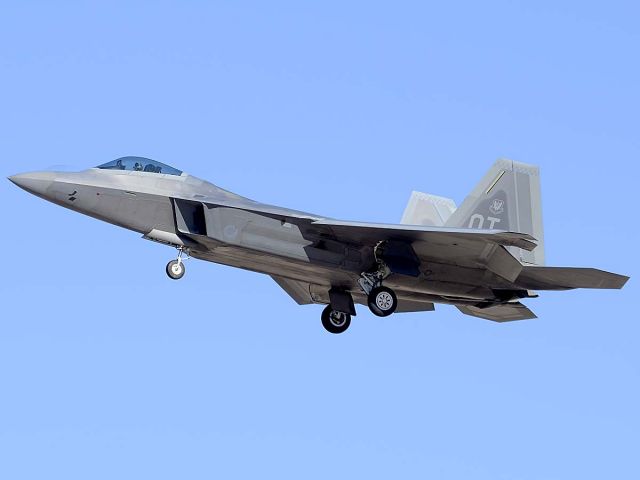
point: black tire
(382, 301)
(335, 322)
(175, 270)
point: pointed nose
(35, 182)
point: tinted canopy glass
(139, 164)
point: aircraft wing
(507, 312)
(371, 233)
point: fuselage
(219, 226)
(388, 267)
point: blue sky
(110, 370)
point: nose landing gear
(175, 268)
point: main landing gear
(175, 268)
(334, 321)
(382, 301)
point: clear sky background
(108, 369)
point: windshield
(139, 164)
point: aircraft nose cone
(34, 182)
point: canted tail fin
(427, 209)
(507, 198)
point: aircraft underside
(339, 288)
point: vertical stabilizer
(427, 209)
(507, 198)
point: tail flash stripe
(495, 182)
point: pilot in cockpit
(140, 164)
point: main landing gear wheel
(175, 269)
(334, 321)
(382, 301)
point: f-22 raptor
(483, 257)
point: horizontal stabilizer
(507, 312)
(564, 278)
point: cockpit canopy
(139, 164)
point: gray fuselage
(239, 232)
(314, 259)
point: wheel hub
(384, 301)
(337, 319)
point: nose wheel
(175, 268)
(334, 321)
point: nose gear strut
(175, 268)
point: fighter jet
(483, 257)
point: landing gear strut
(334, 321)
(382, 301)
(175, 268)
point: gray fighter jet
(483, 257)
